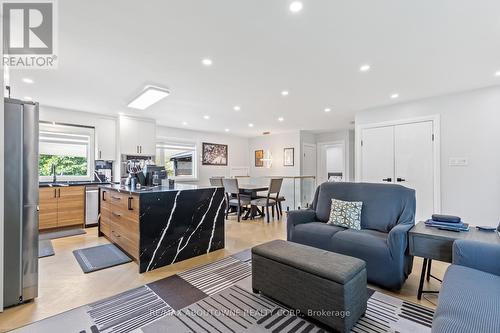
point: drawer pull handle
(116, 198)
(103, 198)
(116, 214)
(130, 203)
(114, 233)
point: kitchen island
(158, 226)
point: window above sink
(69, 148)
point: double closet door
(402, 154)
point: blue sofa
(469, 299)
(388, 213)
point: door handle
(103, 198)
(59, 192)
(400, 179)
(55, 193)
(116, 214)
(387, 180)
(130, 203)
(115, 197)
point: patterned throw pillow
(346, 214)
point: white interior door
(331, 160)
(413, 147)
(377, 155)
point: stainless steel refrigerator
(21, 202)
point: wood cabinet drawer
(120, 201)
(105, 225)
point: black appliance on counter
(150, 172)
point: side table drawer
(431, 248)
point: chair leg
(238, 212)
(267, 213)
(227, 211)
(281, 208)
(272, 211)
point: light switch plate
(458, 161)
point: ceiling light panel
(148, 97)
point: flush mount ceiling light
(328, 109)
(364, 68)
(296, 6)
(237, 108)
(281, 119)
(206, 117)
(250, 125)
(149, 96)
(28, 80)
(285, 93)
(207, 62)
(226, 130)
(497, 73)
(395, 96)
(184, 123)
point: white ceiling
(109, 50)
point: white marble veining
(179, 247)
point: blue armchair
(469, 299)
(387, 215)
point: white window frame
(75, 131)
(193, 146)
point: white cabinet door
(413, 147)
(129, 139)
(106, 139)
(147, 137)
(377, 155)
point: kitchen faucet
(53, 172)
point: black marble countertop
(152, 189)
(70, 183)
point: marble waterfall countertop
(174, 223)
(152, 189)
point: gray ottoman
(323, 285)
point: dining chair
(233, 196)
(216, 181)
(271, 200)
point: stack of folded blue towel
(447, 222)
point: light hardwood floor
(63, 286)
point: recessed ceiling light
(328, 109)
(281, 119)
(149, 96)
(207, 62)
(184, 123)
(28, 80)
(284, 93)
(206, 117)
(364, 68)
(28, 98)
(237, 108)
(250, 125)
(394, 96)
(296, 6)
(226, 130)
(497, 73)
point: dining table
(252, 190)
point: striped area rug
(218, 298)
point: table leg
(429, 263)
(422, 277)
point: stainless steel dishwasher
(91, 205)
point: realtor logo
(29, 34)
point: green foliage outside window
(65, 165)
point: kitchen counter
(70, 183)
(159, 226)
(152, 189)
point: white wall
(470, 128)
(237, 149)
(276, 144)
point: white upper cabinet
(137, 136)
(106, 139)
